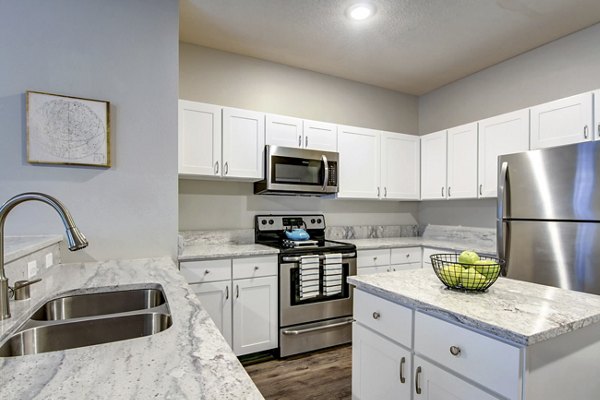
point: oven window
(289, 170)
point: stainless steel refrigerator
(548, 222)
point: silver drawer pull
(374, 258)
(256, 267)
(376, 315)
(585, 132)
(454, 350)
(206, 272)
(418, 380)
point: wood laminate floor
(326, 374)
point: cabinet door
(562, 122)
(597, 114)
(254, 315)
(400, 166)
(380, 368)
(433, 166)
(462, 162)
(359, 163)
(500, 135)
(283, 131)
(199, 138)
(243, 143)
(320, 135)
(437, 384)
(216, 300)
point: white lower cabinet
(381, 368)
(216, 300)
(254, 315)
(240, 295)
(434, 383)
(388, 260)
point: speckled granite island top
(520, 312)
(189, 360)
(224, 250)
(389, 243)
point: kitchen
(136, 210)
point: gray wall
(122, 51)
(228, 79)
(565, 67)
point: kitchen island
(518, 340)
(189, 360)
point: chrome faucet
(76, 239)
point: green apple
(471, 279)
(489, 268)
(451, 274)
(468, 257)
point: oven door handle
(321, 257)
(326, 175)
(317, 328)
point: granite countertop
(189, 360)
(388, 243)
(224, 250)
(16, 247)
(520, 312)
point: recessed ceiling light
(361, 11)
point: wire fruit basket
(478, 276)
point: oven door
(293, 311)
(300, 170)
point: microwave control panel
(332, 181)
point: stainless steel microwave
(291, 171)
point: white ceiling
(413, 46)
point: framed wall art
(67, 130)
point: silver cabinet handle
(256, 267)
(326, 175)
(598, 129)
(217, 168)
(237, 291)
(306, 141)
(300, 141)
(442, 191)
(206, 272)
(226, 292)
(454, 350)
(378, 192)
(418, 380)
(385, 191)
(376, 315)
(585, 131)
(481, 189)
(402, 377)
(375, 258)
(226, 167)
(449, 191)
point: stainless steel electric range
(322, 317)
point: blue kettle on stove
(297, 234)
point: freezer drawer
(561, 254)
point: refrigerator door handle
(502, 182)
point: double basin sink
(89, 319)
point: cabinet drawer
(489, 362)
(372, 258)
(406, 256)
(206, 270)
(383, 316)
(254, 267)
(405, 267)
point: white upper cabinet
(359, 170)
(597, 114)
(320, 135)
(462, 162)
(283, 131)
(400, 166)
(500, 135)
(433, 166)
(243, 143)
(561, 122)
(199, 143)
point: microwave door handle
(326, 175)
(502, 183)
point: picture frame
(67, 130)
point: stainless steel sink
(88, 305)
(81, 320)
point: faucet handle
(21, 289)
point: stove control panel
(281, 222)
